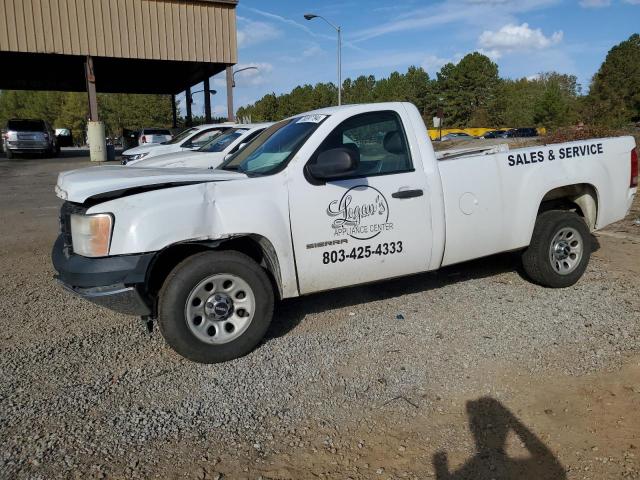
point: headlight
(91, 234)
(137, 156)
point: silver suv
(30, 136)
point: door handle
(407, 193)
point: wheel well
(254, 246)
(581, 198)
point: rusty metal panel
(197, 29)
(145, 31)
(29, 25)
(188, 30)
(184, 32)
(166, 33)
(38, 26)
(83, 38)
(207, 55)
(64, 26)
(18, 6)
(233, 35)
(191, 34)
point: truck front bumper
(113, 282)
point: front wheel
(559, 251)
(215, 306)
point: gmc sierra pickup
(326, 199)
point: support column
(230, 115)
(174, 111)
(189, 119)
(207, 101)
(98, 151)
(91, 89)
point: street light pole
(207, 100)
(339, 66)
(337, 28)
(231, 83)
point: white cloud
(511, 38)
(493, 53)
(253, 32)
(595, 3)
(451, 12)
(312, 51)
(432, 64)
(248, 78)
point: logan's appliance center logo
(361, 213)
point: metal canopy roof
(138, 46)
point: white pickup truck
(327, 199)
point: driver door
(370, 225)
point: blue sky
(524, 37)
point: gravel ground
(85, 392)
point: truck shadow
(289, 313)
(490, 423)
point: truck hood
(143, 148)
(116, 181)
(182, 159)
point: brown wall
(203, 31)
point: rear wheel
(559, 251)
(215, 306)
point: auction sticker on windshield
(311, 118)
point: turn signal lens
(91, 234)
(634, 169)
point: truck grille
(67, 209)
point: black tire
(180, 283)
(537, 259)
(10, 154)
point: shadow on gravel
(289, 313)
(490, 422)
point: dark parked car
(456, 136)
(494, 134)
(30, 136)
(521, 132)
(65, 137)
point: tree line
(70, 110)
(472, 94)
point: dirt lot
(468, 373)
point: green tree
(614, 96)
(74, 114)
(468, 90)
(558, 103)
(69, 110)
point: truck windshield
(181, 136)
(274, 147)
(220, 142)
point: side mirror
(335, 163)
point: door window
(377, 138)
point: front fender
(152, 221)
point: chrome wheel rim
(220, 308)
(566, 250)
